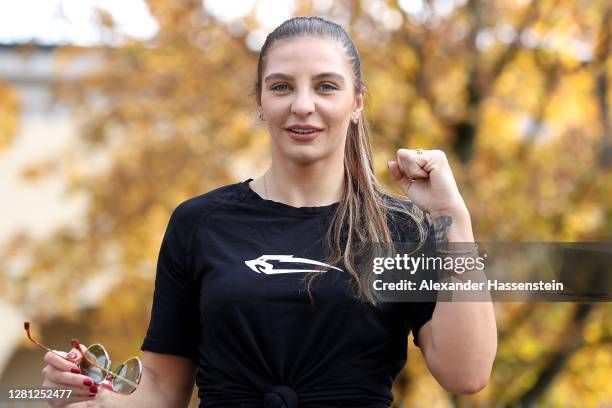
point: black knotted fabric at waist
(280, 397)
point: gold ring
(419, 151)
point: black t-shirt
(230, 293)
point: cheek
(270, 101)
(340, 112)
(339, 120)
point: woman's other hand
(64, 373)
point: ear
(260, 114)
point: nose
(303, 104)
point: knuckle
(440, 154)
(406, 154)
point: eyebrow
(334, 75)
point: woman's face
(308, 84)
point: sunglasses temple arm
(133, 384)
(50, 351)
(26, 326)
(46, 348)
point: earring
(261, 117)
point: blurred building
(35, 207)
(45, 129)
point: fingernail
(87, 382)
(94, 389)
(72, 355)
(75, 370)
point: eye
(280, 87)
(326, 86)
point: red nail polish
(93, 389)
(87, 382)
(75, 370)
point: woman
(257, 283)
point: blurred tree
(511, 92)
(516, 93)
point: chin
(303, 154)
(303, 157)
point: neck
(311, 185)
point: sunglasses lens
(96, 353)
(131, 370)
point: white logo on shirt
(261, 264)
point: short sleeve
(174, 324)
(420, 313)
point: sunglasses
(96, 364)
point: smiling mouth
(303, 131)
(303, 134)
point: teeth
(301, 130)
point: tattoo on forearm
(442, 225)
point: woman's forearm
(463, 333)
